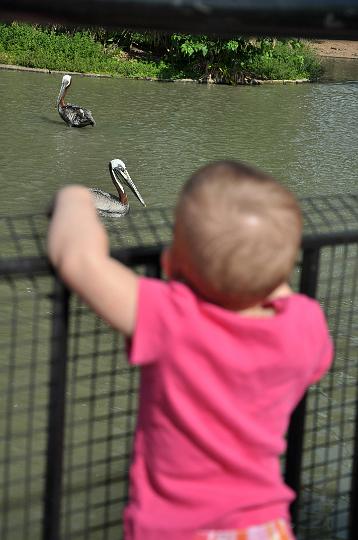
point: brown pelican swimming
(107, 202)
(73, 115)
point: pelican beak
(126, 177)
(62, 91)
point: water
(340, 70)
(305, 135)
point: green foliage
(285, 61)
(236, 59)
(45, 48)
(57, 48)
(153, 54)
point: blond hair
(237, 233)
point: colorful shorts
(274, 530)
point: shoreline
(338, 49)
(335, 48)
(252, 82)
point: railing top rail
(140, 236)
(310, 18)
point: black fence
(68, 399)
(333, 19)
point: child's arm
(78, 248)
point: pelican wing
(77, 116)
(106, 202)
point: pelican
(110, 203)
(73, 115)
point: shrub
(164, 56)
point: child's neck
(265, 308)
(258, 311)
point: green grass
(283, 62)
(32, 46)
(89, 52)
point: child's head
(236, 236)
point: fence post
(353, 500)
(153, 269)
(295, 434)
(56, 414)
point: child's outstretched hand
(78, 248)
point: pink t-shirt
(217, 390)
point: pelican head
(66, 81)
(119, 171)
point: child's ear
(166, 262)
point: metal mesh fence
(100, 391)
(330, 424)
(100, 416)
(24, 368)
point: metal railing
(68, 398)
(336, 19)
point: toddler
(226, 351)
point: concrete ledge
(282, 81)
(11, 67)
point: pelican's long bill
(122, 172)
(66, 81)
(61, 94)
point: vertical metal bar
(8, 417)
(309, 273)
(153, 269)
(295, 434)
(353, 500)
(56, 414)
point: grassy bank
(153, 55)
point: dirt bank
(335, 48)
